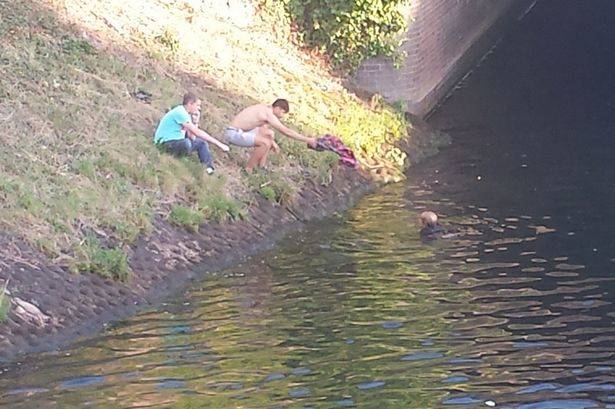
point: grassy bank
(79, 177)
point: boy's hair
(189, 97)
(429, 218)
(282, 103)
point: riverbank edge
(165, 262)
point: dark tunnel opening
(556, 68)
(535, 121)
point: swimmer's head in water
(428, 219)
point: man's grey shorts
(241, 138)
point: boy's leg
(177, 147)
(261, 148)
(267, 133)
(202, 149)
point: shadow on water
(516, 311)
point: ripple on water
(171, 384)
(276, 376)
(392, 324)
(301, 371)
(345, 402)
(456, 379)
(587, 387)
(571, 267)
(371, 385)
(562, 274)
(422, 356)
(533, 269)
(299, 392)
(81, 382)
(527, 345)
(539, 387)
(26, 391)
(461, 400)
(561, 404)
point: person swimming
(430, 228)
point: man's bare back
(252, 117)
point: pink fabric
(334, 144)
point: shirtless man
(250, 128)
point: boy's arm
(276, 124)
(192, 128)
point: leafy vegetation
(349, 31)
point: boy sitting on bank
(178, 133)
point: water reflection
(359, 312)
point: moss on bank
(79, 177)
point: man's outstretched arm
(279, 126)
(205, 136)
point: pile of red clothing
(334, 144)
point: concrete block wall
(444, 39)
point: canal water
(515, 311)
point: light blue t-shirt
(170, 126)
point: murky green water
(357, 311)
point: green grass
(107, 262)
(273, 186)
(186, 217)
(220, 208)
(79, 176)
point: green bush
(349, 31)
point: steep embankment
(94, 218)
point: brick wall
(444, 39)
